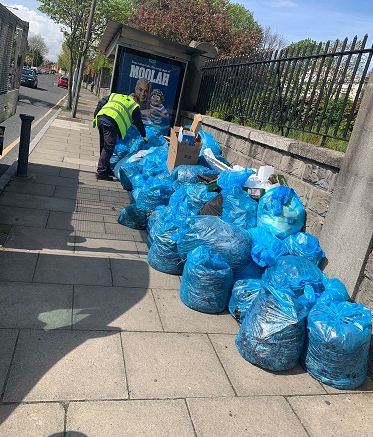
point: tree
(231, 28)
(37, 51)
(272, 41)
(73, 17)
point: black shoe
(103, 177)
(110, 172)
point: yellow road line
(16, 141)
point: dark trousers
(108, 138)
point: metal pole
(24, 144)
(82, 61)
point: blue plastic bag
(243, 294)
(239, 207)
(133, 216)
(230, 178)
(206, 283)
(231, 242)
(305, 244)
(251, 271)
(337, 346)
(294, 272)
(281, 210)
(188, 174)
(163, 255)
(266, 247)
(273, 332)
(155, 220)
(209, 142)
(155, 192)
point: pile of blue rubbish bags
(245, 255)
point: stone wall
(311, 171)
(8, 104)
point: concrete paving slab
(14, 215)
(45, 160)
(121, 230)
(76, 221)
(106, 207)
(109, 247)
(17, 265)
(161, 418)
(177, 317)
(258, 416)
(141, 275)
(8, 338)
(54, 154)
(79, 161)
(29, 187)
(142, 249)
(249, 380)
(59, 365)
(42, 169)
(32, 420)
(32, 201)
(72, 269)
(35, 306)
(58, 180)
(347, 415)
(121, 197)
(69, 173)
(29, 238)
(73, 193)
(117, 308)
(171, 365)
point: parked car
(29, 78)
(63, 81)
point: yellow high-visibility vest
(119, 107)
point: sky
(294, 20)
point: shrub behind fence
(307, 91)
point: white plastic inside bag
(214, 163)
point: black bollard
(24, 144)
(2, 131)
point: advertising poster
(157, 82)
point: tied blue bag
(266, 247)
(163, 254)
(239, 207)
(305, 244)
(206, 283)
(337, 346)
(243, 294)
(281, 210)
(273, 332)
(231, 242)
(294, 272)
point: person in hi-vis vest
(114, 115)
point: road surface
(42, 103)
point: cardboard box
(181, 152)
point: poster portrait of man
(155, 80)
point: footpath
(96, 343)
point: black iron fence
(308, 91)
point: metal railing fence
(307, 88)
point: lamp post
(82, 60)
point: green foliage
(231, 28)
(101, 61)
